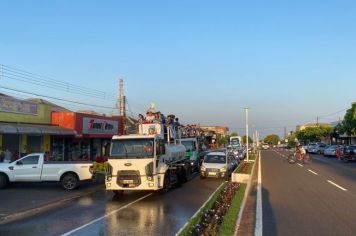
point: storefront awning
(12, 128)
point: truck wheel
(69, 181)
(3, 181)
(166, 184)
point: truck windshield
(189, 145)
(131, 148)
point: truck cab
(192, 151)
(146, 161)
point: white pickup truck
(33, 168)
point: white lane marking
(336, 185)
(312, 172)
(300, 165)
(104, 216)
(259, 219)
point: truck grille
(128, 178)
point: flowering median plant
(244, 168)
(211, 219)
(100, 164)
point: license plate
(128, 181)
(212, 173)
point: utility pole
(317, 120)
(247, 154)
(121, 99)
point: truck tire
(69, 181)
(166, 183)
(3, 180)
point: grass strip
(227, 227)
(252, 157)
(249, 170)
(208, 205)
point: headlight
(203, 168)
(192, 163)
(223, 169)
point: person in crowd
(141, 119)
(85, 157)
(150, 117)
(2, 156)
(176, 122)
(16, 156)
(162, 118)
(7, 156)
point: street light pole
(247, 154)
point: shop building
(25, 126)
(92, 138)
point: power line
(39, 80)
(55, 98)
(334, 113)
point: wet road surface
(134, 213)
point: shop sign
(12, 105)
(100, 126)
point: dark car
(349, 153)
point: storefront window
(57, 149)
(77, 149)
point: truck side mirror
(18, 163)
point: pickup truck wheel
(69, 181)
(3, 181)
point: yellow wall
(23, 144)
(43, 116)
(47, 143)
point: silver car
(331, 150)
(318, 148)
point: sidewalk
(24, 199)
(248, 220)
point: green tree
(244, 139)
(233, 134)
(348, 125)
(291, 140)
(222, 140)
(271, 139)
(313, 134)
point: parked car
(309, 147)
(317, 148)
(331, 151)
(349, 153)
(34, 168)
(216, 164)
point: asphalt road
(308, 199)
(134, 213)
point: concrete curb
(247, 191)
(197, 212)
(41, 208)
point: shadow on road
(269, 220)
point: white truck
(147, 161)
(34, 168)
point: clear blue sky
(289, 61)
